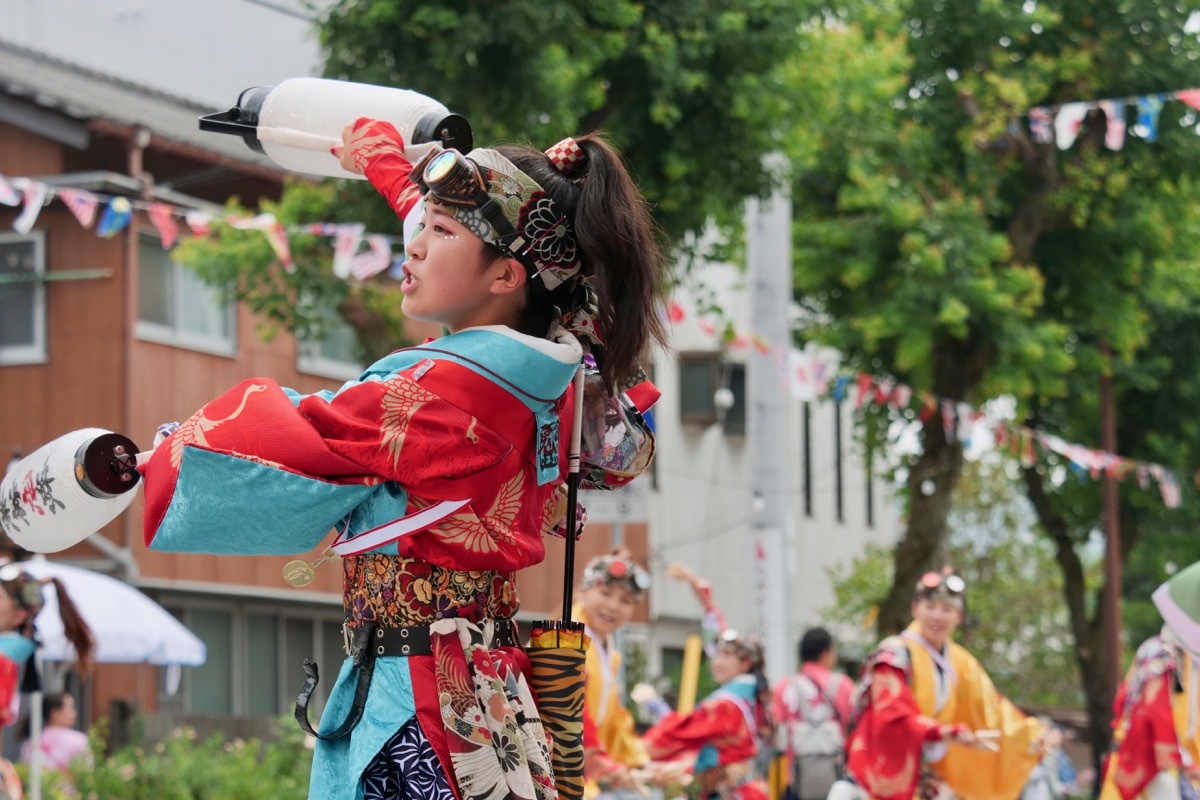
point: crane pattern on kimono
(195, 430)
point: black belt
(369, 642)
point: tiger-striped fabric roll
(557, 680)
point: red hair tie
(567, 156)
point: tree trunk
(958, 367)
(1087, 631)
(930, 486)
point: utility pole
(1112, 530)
(771, 445)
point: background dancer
(722, 739)
(1156, 713)
(611, 588)
(919, 692)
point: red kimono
(1145, 722)
(718, 739)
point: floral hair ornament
(744, 647)
(615, 569)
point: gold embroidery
(193, 431)
(401, 402)
(480, 535)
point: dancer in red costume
(1156, 713)
(722, 737)
(920, 692)
(440, 467)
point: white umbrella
(128, 628)
(127, 625)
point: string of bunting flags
(1062, 123)
(808, 374)
(357, 253)
(812, 373)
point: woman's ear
(509, 277)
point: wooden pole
(1112, 531)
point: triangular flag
(345, 245)
(1149, 107)
(1040, 128)
(259, 222)
(198, 221)
(9, 196)
(116, 216)
(277, 236)
(163, 218)
(34, 196)
(675, 312)
(1190, 96)
(375, 260)
(1068, 122)
(83, 204)
(1114, 131)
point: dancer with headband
(920, 692)
(722, 740)
(441, 467)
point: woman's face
(726, 665)
(607, 607)
(936, 620)
(453, 278)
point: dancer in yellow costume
(920, 692)
(611, 588)
(1156, 715)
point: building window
(254, 657)
(700, 376)
(175, 307)
(333, 354)
(22, 299)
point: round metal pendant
(298, 573)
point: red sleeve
(718, 722)
(885, 748)
(378, 150)
(9, 673)
(1151, 744)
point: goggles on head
(745, 647)
(941, 586)
(502, 206)
(23, 588)
(616, 570)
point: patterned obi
(392, 591)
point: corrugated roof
(83, 93)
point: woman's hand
(959, 734)
(375, 149)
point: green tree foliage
(940, 244)
(692, 92)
